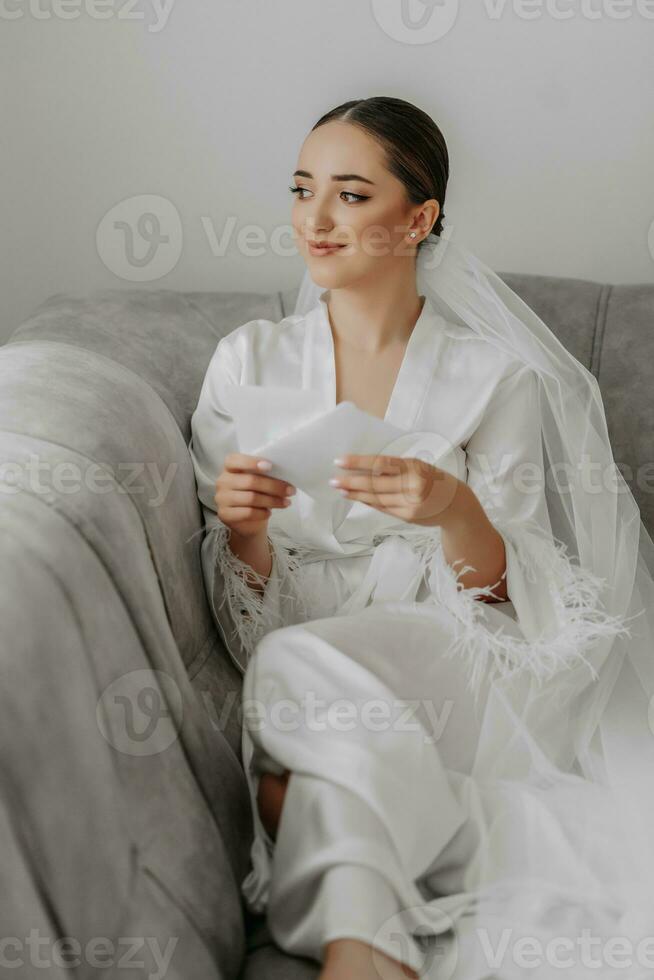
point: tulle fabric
(569, 733)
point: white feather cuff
(557, 602)
(243, 613)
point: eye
(359, 197)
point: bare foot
(352, 959)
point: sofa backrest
(610, 330)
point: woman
(483, 790)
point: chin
(322, 276)
(329, 276)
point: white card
(263, 413)
(266, 421)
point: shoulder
(478, 359)
(260, 335)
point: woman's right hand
(245, 496)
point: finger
(264, 484)
(250, 498)
(242, 462)
(233, 515)
(379, 463)
(405, 485)
(392, 502)
(369, 483)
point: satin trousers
(374, 839)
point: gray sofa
(124, 808)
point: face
(367, 214)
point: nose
(318, 222)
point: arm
(505, 483)
(468, 537)
(556, 601)
(213, 438)
(255, 552)
(252, 583)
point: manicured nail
(263, 464)
(334, 482)
(339, 461)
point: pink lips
(316, 249)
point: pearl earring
(413, 234)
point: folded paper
(303, 454)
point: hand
(408, 488)
(245, 496)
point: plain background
(138, 149)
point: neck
(371, 318)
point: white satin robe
(387, 830)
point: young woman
(467, 611)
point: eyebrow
(337, 177)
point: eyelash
(360, 197)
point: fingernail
(339, 461)
(263, 464)
(334, 482)
(290, 490)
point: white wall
(548, 122)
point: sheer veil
(570, 745)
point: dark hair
(416, 151)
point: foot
(352, 959)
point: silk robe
(386, 833)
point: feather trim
(574, 593)
(253, 613)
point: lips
(323, 249)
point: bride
(479, 603)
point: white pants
(374, 838)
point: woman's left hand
(408, 488)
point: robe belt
(393, 574)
